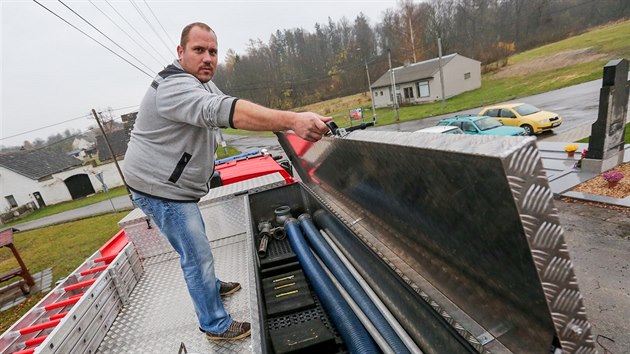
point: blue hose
(350, 328)
(336, 266)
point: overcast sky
(51, 73)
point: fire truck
(392, 242)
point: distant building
(28, 176)
(82, 149)
(129, 120)
(420, 82)
(117, 139)
(80, 143)
(45, 177)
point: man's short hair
(186, 31)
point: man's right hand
(310, 126)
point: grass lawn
(229, 151)
(60, 247)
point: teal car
(482, 125)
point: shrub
(612, 176)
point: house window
(11, 200)
(423, 89)
(466, 76)
(408, 92)
(381, 93)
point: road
(106, 206)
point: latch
(342, 132)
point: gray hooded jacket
(171, 151)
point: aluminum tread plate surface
(253, 184)
(133, 217)
(160, 315)
(225, 218)
(431, 194)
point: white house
(46, 177)
(420, 82)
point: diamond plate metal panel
(133, 217)
(541, 225)
(462, 214)
(224, 218)
(148, 242)
(238, 188)
(353, 216)
(160, 314)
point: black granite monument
(605, 148)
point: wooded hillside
(298, 66)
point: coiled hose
(334, 264)
(350, 328)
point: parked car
(481, 125)
(441, 129)
(526, 116)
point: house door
(39, 199)
(79, 186)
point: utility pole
(111, 151)
(441, 73)
(367, 72)
(393, 79)
(413, 44)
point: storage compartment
(292, 317)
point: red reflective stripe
(58, 316)
(39, 327)
(94, 270)
(35, 341)
(79, 285)
(63, 303)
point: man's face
(199, 58)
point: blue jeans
(183, 226)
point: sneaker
(229, 288)
(236, 330)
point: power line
(125, 32)
(106, 36)
(71, 136)
(60, 123)
(150, 25)
(92, 38)
(40, 128)
(159, 23)
(139, 34)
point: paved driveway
(106, 206)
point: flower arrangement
(612, 177)
(578, 164)
(571, 148)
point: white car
(441, 129)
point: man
(170, 160)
